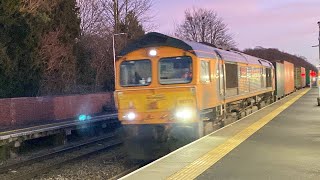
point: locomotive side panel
(232, 81)
(207, 86)
(244, 79)
(255, 78)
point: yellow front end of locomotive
(155, 86)
(157, 106)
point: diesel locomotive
(170, 90)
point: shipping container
(280, 77)
(303, 77)
(289, 77)
(297, 77)
(308, 74)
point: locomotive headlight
(184, 114)
(153, 52)
(131, 116)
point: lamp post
(319, 40)
(318, 99)
(114, 54)
(203, 29)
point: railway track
(42, 163)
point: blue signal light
(82, 117)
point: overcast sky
(289, 25)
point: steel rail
(48, 168)
(56, 151)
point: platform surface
(281, 141)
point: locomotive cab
(154, 89)
(156, 99)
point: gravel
(100, 166)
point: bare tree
(32, 6)
(116, 11)
(100, 16)
(59, 64)
(101, 59)
(204, 25)
(91, 14)
(100, 20)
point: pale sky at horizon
(288, 25)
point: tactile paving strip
(206, 161)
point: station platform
(280, 141)
(21, 134)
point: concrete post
(318, 99)
(60, 139)
(4, 152)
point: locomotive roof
(154, 39)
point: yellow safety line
(197, 167)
